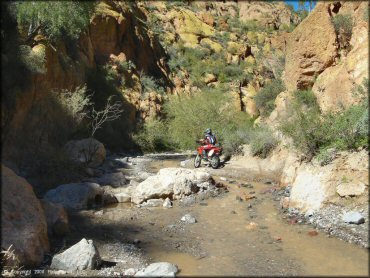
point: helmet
(208, 131)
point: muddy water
(254, 240)
(233, 237)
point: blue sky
(295, 4)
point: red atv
(213, 157)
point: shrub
(306, 98)
(343, 23)
(154, 136)
(265, 98)
(262, 141)
(34, 61)
(148, 84)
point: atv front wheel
(197, 161)
(215, 162)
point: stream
(231, 236)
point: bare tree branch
(111, 112)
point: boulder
(76, 195)
(56, 218)
(353, 217)
(311, 48)
(80, 256)
(89, 151)
(161, 269)
(351, 189)
(23, 223)
(113, 179)
(176, 182)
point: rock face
(313, 184)
(171, 182)
(80, 256)
(56, 218)
(89, 151)
(351, 69)
(76, 195)
(311, 48)
(23, 222)
(161, 269)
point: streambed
(231, 236)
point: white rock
(161, 269)
(353, 217)
(170, 181)
(189, 219)
(76, 195)
(167, 203)
(223, 178)
(123, 197)
(80, 256)
(130, 272)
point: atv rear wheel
(215, 162)
(197, 161)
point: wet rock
(313, 233)
(167, 203)
(189, 219)
(80, 256)
(123, 197)
(162, 269)
(76, 195)
(353, 217)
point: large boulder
(311, 48)
(171, 182)
(76, 196)
(89, 151)
(162, 269)
(56, 218)
(23, 223)
(80, 256)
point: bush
(154, 136)
(262, 141)
(305, 98)
(265, 98)
(343, 23)
(313, 133)
(34, 61)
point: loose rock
(162, 269)
(167, 203)
(353, 217)
(189, 219)
(80, 256)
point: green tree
(311, 4)
(55, 18)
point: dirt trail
(231, 237)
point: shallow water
(239, 240)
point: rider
(208, 142)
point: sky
(295, 4)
